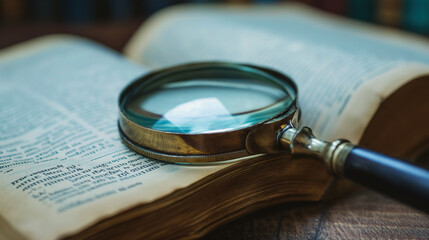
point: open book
(64, 172)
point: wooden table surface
(362, 214)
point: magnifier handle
(393, 177)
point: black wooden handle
(393, 177)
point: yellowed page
(62, 163)
(368, 97)
(330, 58)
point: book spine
(416, 16)
(265, 1)
(202, 1)
(389, 12)
(310, 2)
(333, 6)
(238, 1)
(149, 7)
(362, 10)
(12, 10)
(42, 10)
(120, 9)
(78, 11)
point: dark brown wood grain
(362, 214)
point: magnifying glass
(215, 112)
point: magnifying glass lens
(207, 100)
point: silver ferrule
(303, 142)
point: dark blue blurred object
(78, 11)
(390, 176)
(120, 9)
(149, 7)
(416, 16)
(413, 14)
(364, 10)
(43, 10)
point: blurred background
(112, 22)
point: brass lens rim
(202, 147)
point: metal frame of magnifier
(393, 177)
(274, 135)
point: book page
(62, 163)
(330, 58)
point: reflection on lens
(207, 100)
